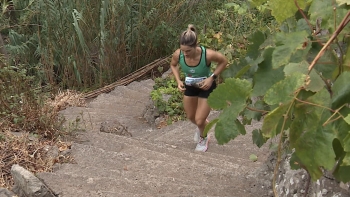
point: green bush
(168, 99)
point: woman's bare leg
(190, 106)
(202, 112)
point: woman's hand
(206, 84)
(181, 86)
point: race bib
(191, 81)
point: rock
(28, 185)
(6, 193)
(151, 113)
(115, 127)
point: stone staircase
(153, 162)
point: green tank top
(201, 70)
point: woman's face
(188, 51)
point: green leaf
(341, 13)
(257, 39)
(291, 68)
(313, 141)
(282, 9)
(315, 83)
(271, 121)
(209, 126)
(303, 26)
(347, 143)
(253, 158)
(338, 149)
(341, 173)
(346, 160)
(259, 105)
(321, 9)
(266, 76)
(227, 127)
(341, 170)
(289, 43)
(327, 64)
(341, 90)
(341, 2)
(347, 119)
(295, 162)
(243, 71)
(346, 63)
(284, 90)
(232, 94)
(257, 2)
(273, 147)
(237, 69)
(258, 138)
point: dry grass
(33, 152)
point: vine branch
(307, 21)
(257, 110)
(341, 26)
(309, 103)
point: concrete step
(128, 93)
(146, 165)
(65, 185)
(133, 146)
(141, 170)
(180, 134)
(115, 100)
(144, 86)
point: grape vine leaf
(257, 2)
(233, 94)
(315, 82)
(284, 91)
(257, 39)
(256, 115)
(230, 96)
(209, 126)
(271, 120)
(346, 63)
(258, 138)
(228, 127)
(342, 129)
(288, 44)
(239, 69)
(346, 160)
(341, 2)
(312, 140)
(266, 76)
(339, 16)
(341, 90)
(342, 173)
(347, 119)
(282, 9)
(321, 9)
(325, 64)
(302, 25)
(295, 162)
(347, 143)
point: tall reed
(86, 44)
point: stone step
(131, 165)
(150, 166)
(82, 186)
(180, 136)
(134, 146)
(127, 93)
(149, 83)
(144, 86)
(116, 100)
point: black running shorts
(193, 91)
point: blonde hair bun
(191, 27)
